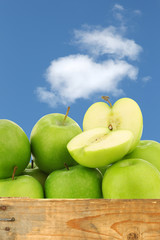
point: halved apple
(125, 114)
(100, 146)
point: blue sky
(55, 54)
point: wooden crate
(44, 219)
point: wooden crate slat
(103, 219)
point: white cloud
(118, 6)
(79, 76)
(46, 96)
(118, 13)
(146, 79)
(137, 12)
(107, 41)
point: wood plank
(69, 219)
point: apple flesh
(14, 148)
(21, 186)
(49, 138)
(77, 182)
(125, 114)
(100, 146)
(148, 150)
(131, 179)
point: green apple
(21, 186)
(75, 182)
(31, 164)
(100, 146)
(34, 171)
(14, 148)
(148, 150)
(104, 168)
(37, 174)
(131, 179)
(125, 114)
(49, 138)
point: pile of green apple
(107, 159)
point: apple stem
(106, 98)
(14, 171)
(66, 166)
(32, 163)
(66, 115)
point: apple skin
(148, 150)
(21, 186)
(77, 182)
(131, 179)
(104, 169)
(49, 138)
(14, 148)
(37, 174)
(121, 116)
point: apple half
(125, 114)
(100, 146)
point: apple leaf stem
(66, 115)
(106, 98)
(14, 171)
(66, 166)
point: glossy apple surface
(14, 148)
(21, 186)
(37, 174)
(131, 179)
(148, 150)
(125, 114)
(99, 146)
(77, 182)
(49, 138)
